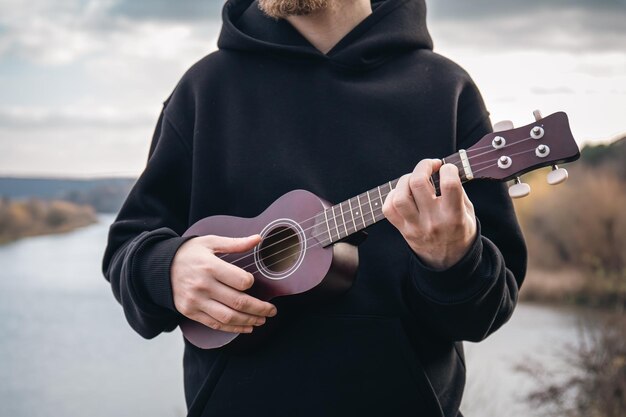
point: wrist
(152, 270)
(454, 284)
(444, 256)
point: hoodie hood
(394, 27)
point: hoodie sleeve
(474, 297)
(147, 233)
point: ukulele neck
(355, 214)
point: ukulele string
(334, 217)
(491, 146)
(493, 150)
(360, 206)
(479, 148)
(319, 243)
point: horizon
(131, 176)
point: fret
(455, 159)
(336, 224)
(352, 214)
(368, 206)
(369, 200)
(380, 215)
(330, 237)
(336, 220)
(358, 210)
(361, 209)
(343, 219)
(355, 213)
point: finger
(222, 244)
(242, 302)
(420, 183)
(211, 322)
(468, 203)
(231, 275)
(227, 315)
(402, 200)
(451, 188)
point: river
(66, 349)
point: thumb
(223, 244)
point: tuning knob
(557, 175)
(519, 189)
(503, 125)
(537, 114)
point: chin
(281, 9)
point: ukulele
(305, 251)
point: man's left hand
(440, 230)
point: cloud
(573, 29)
(479, 9)
(167, 10)
(83, 83)
(53, 34)
(85, 151)
(61, 33)
(64, 31)
(551, 90)
(72, 117)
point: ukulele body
(289, 261)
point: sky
(82, 81)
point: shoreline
(62, 230)
(32, 218)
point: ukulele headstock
(507, 154)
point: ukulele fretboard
(350, 216)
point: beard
(280, 9)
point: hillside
(105, 195)
(610, 156)
(576, 231)
(34, 217)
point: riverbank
(570, 286)
(33, 217)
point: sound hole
(280, 249)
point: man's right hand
(211, 291)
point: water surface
(66, 349)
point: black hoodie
(268, 113)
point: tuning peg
(537, 114)
(557, 175)
(519, 189)
(503, 125)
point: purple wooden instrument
(303, 249)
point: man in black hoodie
(335, 97)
